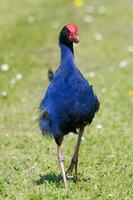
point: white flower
(4, 67)
(71, 134)
(99, 126)
(123, 63)
(88, 19)
(90, 74)
(98, 36)
(4, 93)
(130, 48)
(101, 10)
(83, 138)
(95, 187)
(90, 9)
(19, 76)
(12, 81)
(110, 195)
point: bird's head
(69, 34)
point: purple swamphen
(69, 103)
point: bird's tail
(50, 74)
(97, 105)
(44, 123)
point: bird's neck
(67, 54)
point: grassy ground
(28, 44)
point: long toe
(70, 169)
(76, 172)
(73, 167)
(69, 177)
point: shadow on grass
(48, 178)
(53, 178)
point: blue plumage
(69, 102)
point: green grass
(28, 164)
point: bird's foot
(71, 168)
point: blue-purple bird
(69, 103)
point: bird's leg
(74, 161)
(61, 163)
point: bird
(69, 103)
